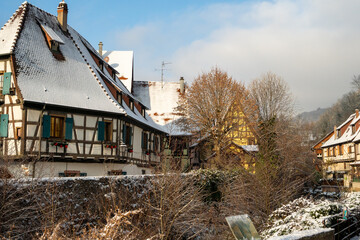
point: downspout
(38, 158)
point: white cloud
(313, 45)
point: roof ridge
(93, 73)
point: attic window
(143, 112)
(131, 104)
(53, 40)
(119, 97)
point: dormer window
(101, 66)
(131, 104)
(143, 112)
(338, 133)
(119, 97)
(53, 40)
(54, 46)
(114, 75)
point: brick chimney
(356, 112)
(62, 11)
(100, 48)
(182, 85)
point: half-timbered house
(64, 112)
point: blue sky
(312, 44)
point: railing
(356, 179)
(345, 229)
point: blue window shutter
(7, 83)
(46, 126)
(4, 120)
(69, 122)
(101, 131)
(124, 133)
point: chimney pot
(62, 11)
(100, 48)
(182, 85)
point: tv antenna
(162, 69)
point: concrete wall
(314, 234)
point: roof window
(54, 41)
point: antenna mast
(163, 63)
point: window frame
(108, 131)
(61, 125)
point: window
(114, 75)
(72, 173)
(156, 143)
(18, 133)
(143, 171)
(108, 131)
(341, 150)
(143, 111)
(353, 129)
(131, 104)
(101, 66)
(338, 133)
(57, 127)
(54, 46)
(144, 141)
(127, 134)
(1, 80)
(119, 97)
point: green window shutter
(4, 120)
(46, 126)
(6, 83)
(101, 131)
(124, 133)
(69, 122)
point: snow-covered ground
(305, 214)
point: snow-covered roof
(162, 98)
(351, 117)
(73, 82)
(123, 62)
(52, 34)
(175, 128)
(250, 148)
(347, 136)
(10, 31)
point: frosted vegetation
(307, 213)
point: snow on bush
(305, 214)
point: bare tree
(272, 96)
(284, 160)
(215, 106)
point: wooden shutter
(101, 130)
(124, 133)
(46, 126)
(4, 120)
(69, 122)
(6, 83)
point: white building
(64, 111)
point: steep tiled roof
(73, 82)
